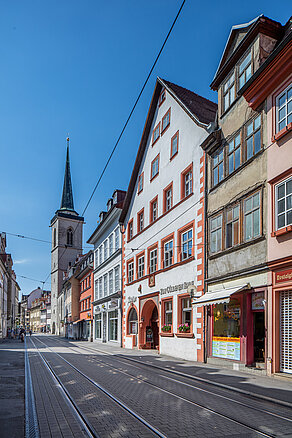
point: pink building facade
(273, 85)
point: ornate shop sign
(176, 287)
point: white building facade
(163, 218)
(107, 243)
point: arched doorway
(149, 326)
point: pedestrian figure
(30, 332)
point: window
(167, 194)
(153, 210)
(111, 244)
(96, 258)
(284, 108)
(130, 271)
(100, 254)
(234, 153)
(284, 204)
(226, 319)
(140, 217)
(153, 261)
(232, 226)
(218, 166)
(168, 253)
(167, 312)
(229, 92)
(216, 234)
(130, 230)
(165, 121)
(113, 325)
(100, 291)
(133, 322)
(140, 182)
(156, 134)
(111, 281)
(155, 167)
(70, 237)
(117, 279)
(96, 289)
(105, 291)
(253, 137)
(98, 326)
(187, 181)
(162, 97)
(186, 307)
(105, 250)
(252, 217)
(174, 145)
(187, 244)
(54, 237)
(141, 266)
(244, 70)
(117, 238)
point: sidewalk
(279, 389)
(12, 388)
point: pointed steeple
(67, 196)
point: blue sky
(77, 66)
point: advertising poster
(226, 348)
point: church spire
(67, 196)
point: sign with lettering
(176, 287)
(227, 348)
(284, 276)
(149, 334)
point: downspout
(205, 318)
(122, 230)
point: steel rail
(111, 396)
(163, 390)
(31, 420)
(81, 418)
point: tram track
(184, 399)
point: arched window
(133, 322)
(69, 237)
(54, 237)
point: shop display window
(226, 319)
(98, 326)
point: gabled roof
(202, 111)
(234, 49)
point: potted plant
(184, 328)
(166, 328)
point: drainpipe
(205, 314)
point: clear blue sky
(77, 66)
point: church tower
(67, 227)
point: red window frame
(176, 135)
(151, 248)
(182, 181)
(170, 186)
(153, 177)
(179, 315)
(163, 130)
(140, 183)
(162, 97)
(163, 242)
(151, 220)
(138, 256)
(128, 263)
(141, 212)
(130, 224)
(163, 301)
(154, 141)
(180, 232)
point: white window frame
(287, 101)
(217, 231)
(168, 199)
(155, 167)
(252, 212)
(111, 244)
(117, 239)
(153, 260)
(117, 278)
(141, 266)
(168, 253)
(111, 282)
(131, 272)
(105, 285)
(188, 181)
(277, 200)
(186, 243)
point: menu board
(227, 348)
(257, 301)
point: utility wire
(126, 123)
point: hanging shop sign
(284, 276)
(226, 348)
(176, 287)
(258, 301)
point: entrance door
(286, 331)
(154, 326)
(259, 336)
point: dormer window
(109, 204)
(229, 92)
(70, 237)
(244, 70)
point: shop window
(226, 319)
(284, 204)
(284, 108)
(167, 198)
(218, 166)
(174, 145)
(98, 326)
(154, 168)
(140, 182)
(130, 271)
(140, 220)
(133, 322)
(113, 325)
(165, 122)
(244, 70)
(130, 229)
(168, 254)
(232, 226)
(228, 92)
(234, 153)
(216, 234)
(153, 210)
(252, 217)
(156, 134)
(253, 137)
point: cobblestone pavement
(11, 389)
(168, 402)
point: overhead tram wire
(127, 122)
